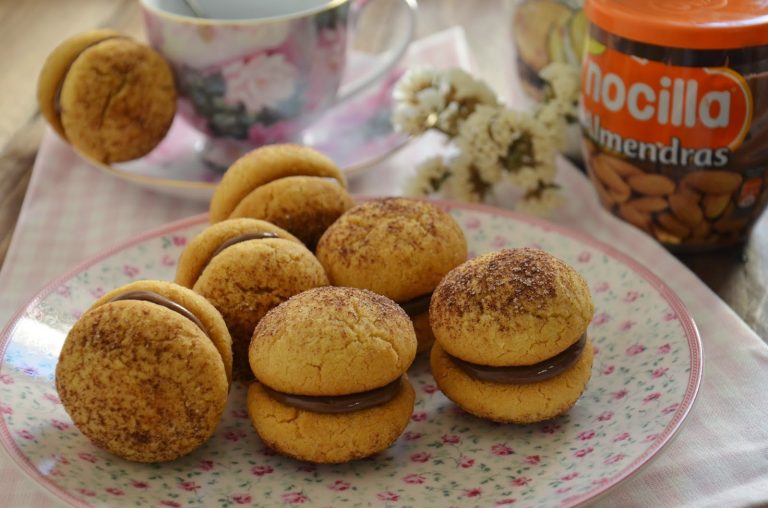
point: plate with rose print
(645, 377)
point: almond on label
(686, 209)
(652, 185)
(713, 182)
(714, 204)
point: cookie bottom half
(512, 403)
(329, 438)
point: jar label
(658, 113)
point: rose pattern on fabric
(445, 457)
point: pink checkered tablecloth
(719, 458)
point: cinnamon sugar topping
(508, 281)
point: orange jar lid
(689, 24)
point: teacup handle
(387, 60)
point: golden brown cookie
(292, 186)
(111, 97)
(198, 251)
(322, 341)
(400, 248)
(140, 373)
(510, 335)
(329, 438)
(211, 319)
(306, 205)
(330, 366)
(244, 268)
(510, 307)
(511, 402)
(55, 70)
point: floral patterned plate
(645, 377)
(356, 134)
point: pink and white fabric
(719, 458)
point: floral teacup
(251, 73)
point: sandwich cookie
(400, 248)
(111, 97)
(245, 267)
(330, 375)
(292, 186)
(144, 373)
(510, 330)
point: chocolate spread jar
(674, 113)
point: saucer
(356, 134)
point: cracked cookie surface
(510, 307)
(304, 205)
(129, 376)
(332, 341)
(215, 327)
(400, 248)
(247, 279)
(117, 100)
(55, 69)
(200, 249)
(264, 165)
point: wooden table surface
(30, 29)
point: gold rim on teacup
(180, 18)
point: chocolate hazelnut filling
(338, 403)
(524, 374)
(257, 235)
(151, 296)
(418, 305)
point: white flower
(563, 96)
(494, 145)
(563, 80)
(410, 119)
(527, 178)
(464, 87)
(429, 177)
(508, 143)
(413, 81)
(427, 98)
(259, 82)
(417, 101)
(552, 115)
(464, 183)
(541, 203)
(475, 140)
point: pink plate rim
(662, 439)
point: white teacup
(254, 72)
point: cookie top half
(199, 251)
(264, 165)
(55, 69)
(213, 324)
(117, 100)
(332, 341)
(400, 248)
(510, 307)
(141, 380)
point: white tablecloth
(719, 458)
